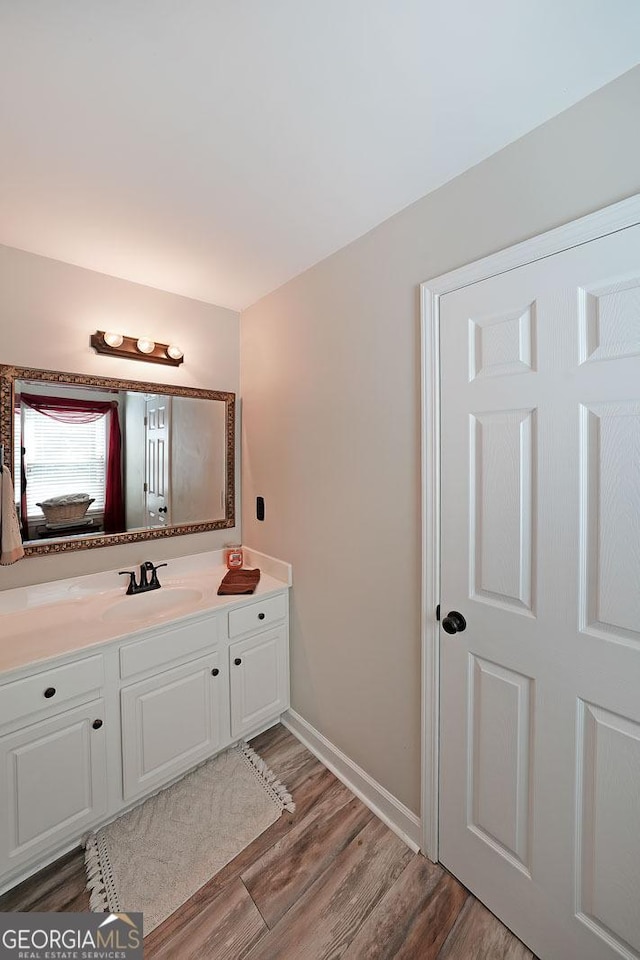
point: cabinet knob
(237, 661)
(96, 724)
(215, 672)
(261, 616)
(50, 692)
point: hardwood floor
(330, 881)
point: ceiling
(216, 148)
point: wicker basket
(73, 506)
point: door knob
(454, 622)
(163, 509)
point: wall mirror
(96, 461)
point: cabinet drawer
(257, 615)
(51, 687)
(171, 645)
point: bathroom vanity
(106, 698)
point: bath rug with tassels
(154, 857)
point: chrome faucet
(148, 578)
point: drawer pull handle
(96, 724)
(261, 616)
(237, 661)
(215, 672)
(50, 692)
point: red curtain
(68, 410)
(114, 496)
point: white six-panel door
(540, 524)
(158, 453)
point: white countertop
(44, 621)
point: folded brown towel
(239, 581)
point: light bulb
(174, 352)
(145, 345)
(113, 339)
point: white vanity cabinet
(174, 703)
(53, 771)
(176, 717)
(101, 727)
(258, 663)
(170, 722)
(259, 680)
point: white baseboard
(386, 807)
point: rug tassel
(282, 794)
(95, 881)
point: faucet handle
(132, 579)
(154, 576)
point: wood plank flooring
(327, 882)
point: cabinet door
(259, 671)
(53, 783)
(170, 722)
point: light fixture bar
(129, 349)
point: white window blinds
(63, 458)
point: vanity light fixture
(136, 348)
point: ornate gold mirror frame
(8, 376)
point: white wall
(330, 380)
(48, 310)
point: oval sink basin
(152, 604)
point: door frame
(608, 220)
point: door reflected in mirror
(175, 460)
(96, 459)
